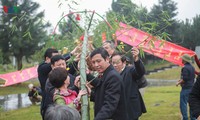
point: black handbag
(142, 82)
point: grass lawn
(161, 102)
(29, 113)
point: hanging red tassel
(78, 17)
(81, 38)
(103, 35)
(5, 8)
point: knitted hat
(186, 58)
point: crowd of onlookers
(112, 82)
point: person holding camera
(34, 94)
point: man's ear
(52, 66)
(108, 59)
(47, 60)
(65, 81)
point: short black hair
(48, 53)
(58, 76)
(101, 51)
(111, 42)
(56, 58)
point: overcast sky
(186, 8)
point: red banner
(150, 44)
(19, 76)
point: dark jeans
(183, 104)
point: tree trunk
(19, 62)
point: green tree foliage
(70, 29)
(23, 33)
(130, 13)
(164, 15)
(125, 8)
(188, 33)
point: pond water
(14, 101)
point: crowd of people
(113, 84)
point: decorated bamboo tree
(85, 104)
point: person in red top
(60, 79)
(198, 64)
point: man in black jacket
(43, 70)
(45, 67)
(109, 96)
(130, 75)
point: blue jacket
(188, 76)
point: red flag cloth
(103, 35)
(19, 76)
(160, 48)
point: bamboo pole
(85, 104)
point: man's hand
(77, 81)
(76, 50)
(198, 118)
(135, 53)
(179, 82)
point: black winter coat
(194, 98)
(110, 97)
(134, 100)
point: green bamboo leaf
(152, 43)
(147, 29)
(25, 34)
(124, 4)
(165, 36)
(13, 18)
(59, 5)
(75, 3)
(21, 18)
(14, 28)
(29, 34)
(166, 21)
(162, 43)
(141, 52)
(124, 19)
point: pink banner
(19, 76)
(150, 44)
